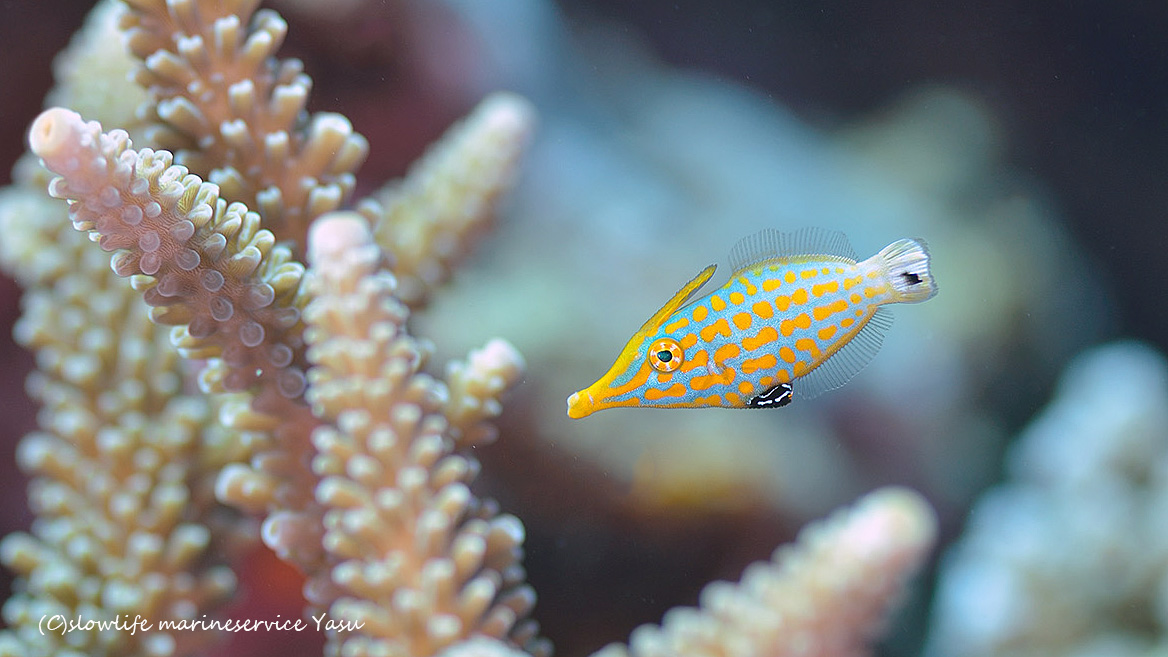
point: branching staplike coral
(827, 596)
(204, 376)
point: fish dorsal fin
(849, 360)
(770, 244)
(679, 299)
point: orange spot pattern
(637, 381)
(764, 362)
(820, 289)
(827, 310)
(725, 353)
(801, 321)
(766, 335)
(706, 369)
(697, 360)
(808, 345)
(724, 377)
(675, 390)
(713, 330)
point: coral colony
(234, 348)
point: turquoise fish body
(799, 316)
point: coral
(428, 221)
(123, 513)
(127, 523)
(229, 108)
(92, 74)
(1069, 555)
(204, 375)
(112, 383)
(419, 560)
(206, 268)
(827, 596)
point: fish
(799, 316)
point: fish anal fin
(852, 357)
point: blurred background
(1024, 144)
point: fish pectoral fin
(774, 397)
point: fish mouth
(581, 404)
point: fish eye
(665, 355)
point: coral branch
(125, 456)
(202, 264)
(428, 220)
(235, 114)
(208, 268)
(828, 596)
(93, 73)
(474, 388)
(1068, 555)
(120, 463)
(420, 561)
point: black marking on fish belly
(775, 397)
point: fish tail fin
(906, 262)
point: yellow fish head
(622, 384)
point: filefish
(799, 316)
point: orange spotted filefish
(799, 316)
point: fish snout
(580, 404)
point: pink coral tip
(53, 132)
(336, 232)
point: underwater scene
(449, 328)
